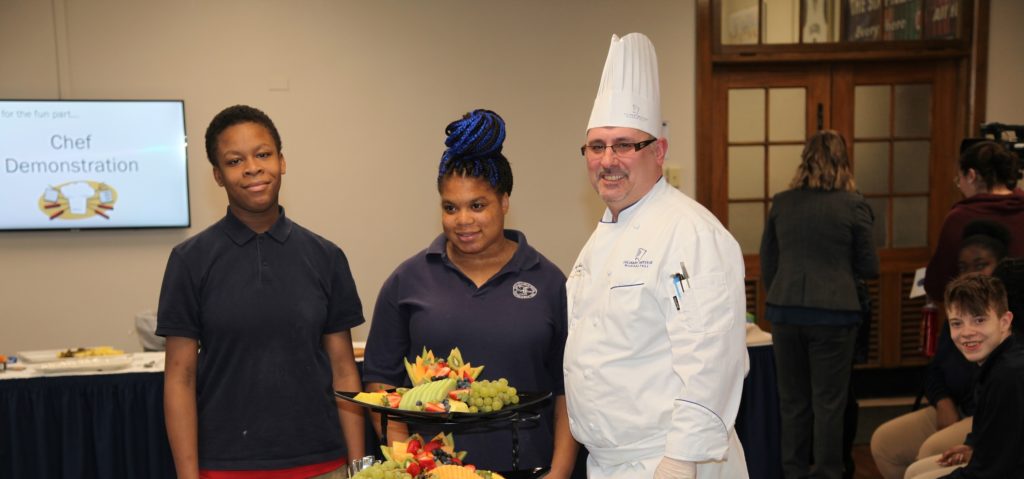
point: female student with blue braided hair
(484, 289)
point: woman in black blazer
(817, 243)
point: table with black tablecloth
(85, 425)
(758, 424)
(95, 426)
(112, 426)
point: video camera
(1011, 136)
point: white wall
(368, 87)
(1005, 102)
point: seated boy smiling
(979, 323)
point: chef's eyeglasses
(620, 149)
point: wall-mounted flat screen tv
(92, 164)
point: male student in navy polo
(257, 311)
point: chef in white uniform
(656, 355)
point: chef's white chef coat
(652, 369)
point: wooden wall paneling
(946, 137)
(910, 323)
(888, 328)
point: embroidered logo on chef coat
(524, 290)
(638, 260)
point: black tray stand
(513, 417)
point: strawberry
(430, 446)
(413, 469)
(394, 399)
(427, 464)
(433, 407)
(414, 446)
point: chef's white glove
(670, 468)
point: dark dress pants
(813, 369)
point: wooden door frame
(971, 80)
(967, 85)
(741, 76)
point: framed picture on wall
(902, 20)
(817, 21)
(741, 27)
(863, 20)
(941, 19)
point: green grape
(489, 396)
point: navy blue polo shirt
(514, 325)
(259, 305)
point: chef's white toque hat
(629, 95)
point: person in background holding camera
(988, 175)
(817, 243)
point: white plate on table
(49, 355)
(41, 356)
(95, 363)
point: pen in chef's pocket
(676, 301)
(684, 274)
(677, 281)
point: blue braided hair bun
(474, 149)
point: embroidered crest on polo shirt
(638, 260)
(524, 290)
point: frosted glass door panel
(746, 115)
(871, 111)
(746, 222)
(910, 166)
(746, 172)
(871, 167)
(783, 161)
(913, 110)
(787, 114)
